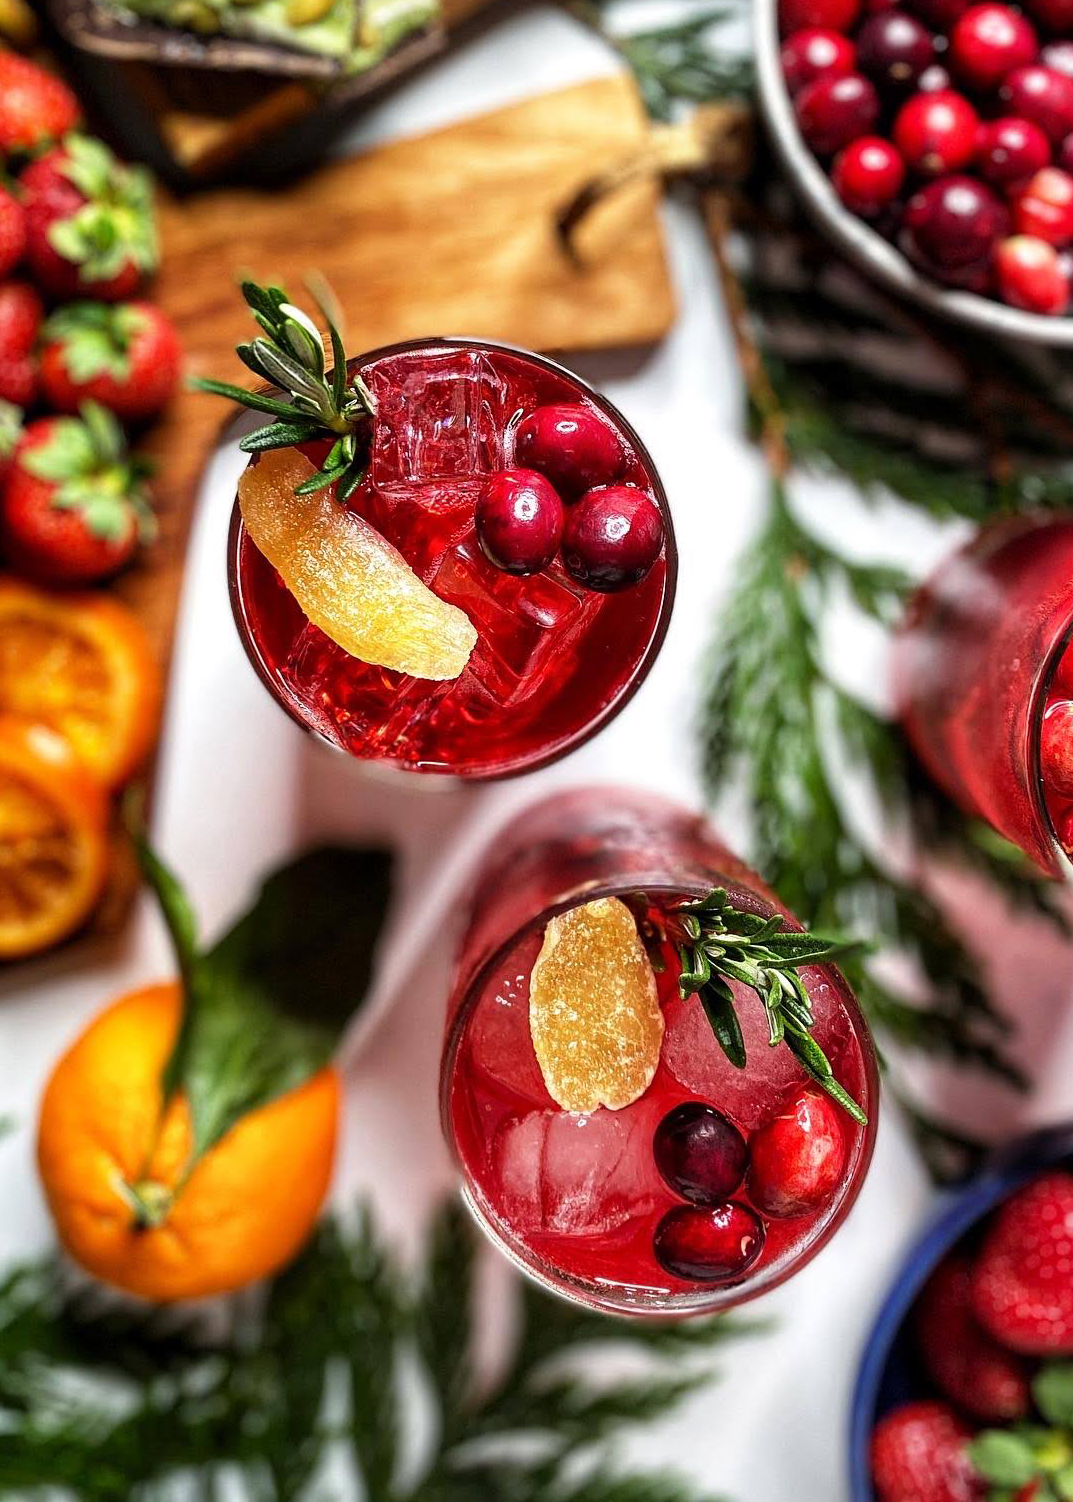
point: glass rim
(609, 711)
(468, 989)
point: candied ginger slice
(348, 579)
(594, 1009)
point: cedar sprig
(290, 356)
(718, 943)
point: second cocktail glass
(708, 1183)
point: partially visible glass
(554, 661)
(974, 666)
(575, 1201)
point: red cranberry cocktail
(627, 1132)
(984, 682)
(504, 574)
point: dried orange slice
(82, 665)
(53, 839)
(594, 1010)
(348, 579)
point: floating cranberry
(936, 133)
(834, 111)
(1044, 206)
(951, 226)
(519, 521)
(797, 1159)
(940, 13)
(832, 15)
(988, 42)
(1009, 150)
(700, 1153)
(1056, 747)
(1058, 56)
(1041, 95)
(815, 53)
(1063, 829)
(933, 79)
(1029, 275)
(611, 537)
(868, 175)
(894, 48)
(571, 445)
(1055, 15)
(1062, 680)
(709, 1245)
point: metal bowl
(856, 239)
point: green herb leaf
(1052, 1389)
(718, 941)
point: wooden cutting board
(447, 233)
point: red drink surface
(973, 665)
(553, 659)
(577, 1198)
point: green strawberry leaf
(265, 1008)
(116, 224)
(1052, 1390)
(1003, 1457)
(10, 428)
(95, 338)
(67, 455)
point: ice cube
(562, 1174)
(522, 622)
(439, 417)
(751, 1096)
(500, 1045)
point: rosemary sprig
(718, 942)
(322, 403)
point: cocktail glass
(977, 664)
(576, 1201)
(554, 660)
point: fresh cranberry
(834, 111)
(933, 79)
(1043, 96)
(1062, 679)
(1063, 828)
(832, 15)
(797, 1159)
(700, 1153)
(709, 1245)
(612, 537)
(1009, 150)
(950, 227)
(1056, 747)
(815, 53)
(1055, 15)
(1029, 275)
(936, 133)
(868, 175)
(1058, 56)
(1044, 206)
(940, 13)
(569, 444)
(894, 48)
(988, 42)
(519, 521)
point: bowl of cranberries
(933, 141)
(965, 1389)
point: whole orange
(106, 1146)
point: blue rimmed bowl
(889, 1373)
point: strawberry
(90, 228)
(12, 231)
(1022, 1283)
(126, 357)
(10, 433)
(20, 319)
(979, 1376)
(919, 1454)
(36, 107)
(75, 504)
